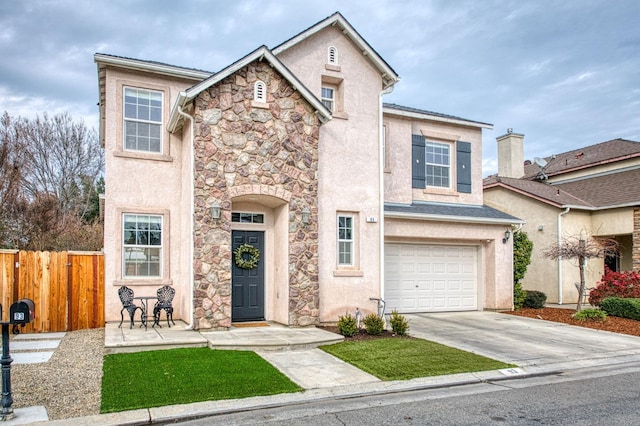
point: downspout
(191, 215)
(566, 210)
(381, 143)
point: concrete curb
(197, 410)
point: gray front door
(247, 295)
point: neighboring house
(291, 151)
(588, 192)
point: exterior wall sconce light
(507, 235)
(306, 216)
(215, 211)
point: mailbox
(22, 312)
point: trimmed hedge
(535, 299)
(621, 307)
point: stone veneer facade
(244, 148)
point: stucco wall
(399, 165)
(348, 171)
(142, 183)
(542, 229)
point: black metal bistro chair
(165, 299)
(126, 297)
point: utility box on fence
(22, 312)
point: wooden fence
(67, 288)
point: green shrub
(519, 294)
(399, 324)
(347, 325)
(535, 299)
(590, 314)
(373, 324)
(621, 307)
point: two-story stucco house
(592, 191)
(281, 188)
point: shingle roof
(607, 190)
(453, 212)
(605, 152)
(543, 191)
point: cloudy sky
(564, 73)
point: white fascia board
(595, 209)
(388, 75)
(138, 65)
(443, 218)
(424, 116)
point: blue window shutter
(417, 161)
(463, 166)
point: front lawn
(403, 359)
(181, 376)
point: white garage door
(430, 278)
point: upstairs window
(332, 56)
(142, 120)
(328, 97)
(260, 92)
(438, 164)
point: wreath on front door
(246, 262)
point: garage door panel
(429, 278)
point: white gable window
(142, 245)
(142, 120)
(332, 56)
(438, 164)
(260, 92)
(328, 97)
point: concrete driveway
(525, 342)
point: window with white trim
(260, 92)
(332, 55)
(346, 236)
(328, 97)
(438, 164)
(142, 245)
(142, 120)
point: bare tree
(11, 161)
(49, 177)
(581, 248)
(61, 158)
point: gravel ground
(68, 385)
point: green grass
(403, 359)
(180, 376)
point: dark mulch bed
(614, 324)
(362, 334)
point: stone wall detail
(245, 148)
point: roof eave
(261, 53)
(138, 65)
(446, 218)
(389, 76)
(426, 116)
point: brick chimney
(511, 154)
